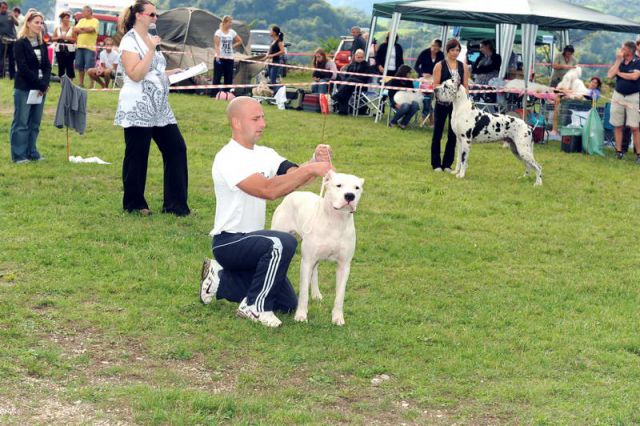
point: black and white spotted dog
(471, 124)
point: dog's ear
(330, 174)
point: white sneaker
(437, 170)
(447, 169)
(249, 312)
(209, 280)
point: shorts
(622, 105)
(85, 59)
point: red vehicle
(343, 52)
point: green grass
(485, 300)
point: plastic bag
(281, 97)
(593, 134)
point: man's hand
(322, 153)
(619, 54)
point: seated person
(357, 65)
(594, 88)
(406, 104)
(486, 67)
(107, 65)
(320, 61)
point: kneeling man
(107, 66)
(251, 263)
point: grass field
(485, 300)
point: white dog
(327, 230)
(263, 88)
(471, 124)
(406, 97)
(572, 85)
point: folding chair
(368, 98)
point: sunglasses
(150, 15)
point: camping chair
(367, 98)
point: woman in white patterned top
(144, 113)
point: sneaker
(437, 169)
(638, 160)
(23, 161)
(619, 155)
(249, 312)
(447, 169)
(209, 280)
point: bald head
(246, 119)
(237, 105)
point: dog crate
(571, 139)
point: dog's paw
(337, 319)
(460, 175)
(316, 295)
(300, 316)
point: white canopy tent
(530, 15)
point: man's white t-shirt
(226, 43)
(109, 59)
(237, 211)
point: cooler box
(311, 102)
(571, 139)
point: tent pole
(372, 28)
(395, 22)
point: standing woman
(447, 69)
(34, 71)
(144, 112)
(276, 52)
(224, 41)
(65, 46)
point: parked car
(342, 56)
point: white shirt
(226, 43)
(237, 211)
(108, 60)
(392, 59)
(144, 103)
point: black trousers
(255, 266)
(222, 68)
(65, 64)
(441, 113)
(134, 167)
(343, 95)
(7, 61)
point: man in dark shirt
(358, 65)
(8, 24)
(358, 41)
(626, 96)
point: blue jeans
(274, 72)
(320, 88)
(85, 59)
(405, 113)
(25, 127)
(426, 105)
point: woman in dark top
(34, 71)
(395, 60)
(276, 51)
(404, 111)
(445, 70)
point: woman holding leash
(144, 113)
(225, 40)
(32, 77)
(447, 69)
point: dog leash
(305, 228)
